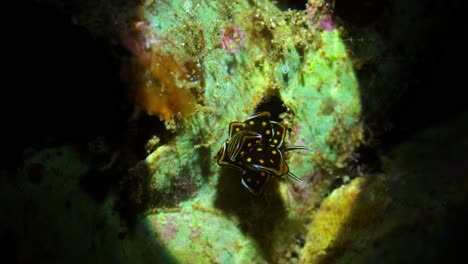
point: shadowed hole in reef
(284, 5)
(258, 215)
(272, 104)
(205, 161)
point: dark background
(62, 84)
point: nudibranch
(255, 147)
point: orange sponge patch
(161, 90)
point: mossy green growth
(226, 58)
(278, 53)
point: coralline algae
(235, 56)
(199, 65)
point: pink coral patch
(326, 23)
(232, 38)
(167, 231)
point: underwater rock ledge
(227, 59)
(200, 65)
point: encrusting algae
(201, 65)
(157, 79)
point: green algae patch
(245, 53)
(242, 54)
(197, 66)
(200, 65)
(195, 234)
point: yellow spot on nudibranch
(261, 161)
(278, 133)
(249, 159)
(259, 149)
(249, 145)
(273, 152)
(244, 172)
(237, 129)
(264, 123)
(263, 174)
(251, 123)
(267, 132)
(275, 141)
(272, 161)
(249, 179)
(243, 125)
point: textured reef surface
(211, 63)
(192, 67)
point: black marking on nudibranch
(255, 147)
